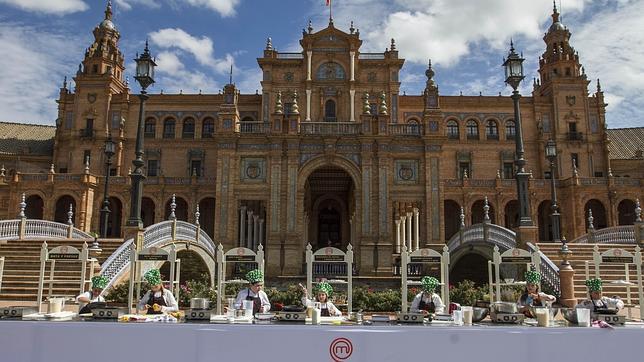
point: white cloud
(225, 8)
(128, 4)
(200, 48)
(32, 68)
(59, 7)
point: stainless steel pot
(199, 303)
(505, 307)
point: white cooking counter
(23, 341)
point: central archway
(329, 205)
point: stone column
(255, 232)
(566, 279)
(249, 233)
(308, 105)
(352, 93)
(261, 232)
(416, 230)
(397, 236)
(242, 226)
(353, 65)
(309, 58)
(409, 234)
(403, 235)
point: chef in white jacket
(427, 301)
(99, 283)
(324, 291)
(596, 303)
(157, 300)
(254, 293)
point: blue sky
(195, 42)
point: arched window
(329, 111)
(208, 129)
(169, 128)
(188, 131)
(510, 130)
(248, 119)
(331, 71)
(150, 128)
(472, 129)
(413, 126)
(452, 130)
(491, 130)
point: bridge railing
(624, 234)
(37, 229)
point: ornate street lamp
(145, 76)
(513, 77)
(105, 211)
(551, 155)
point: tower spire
(108, 10)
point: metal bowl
(199, 303)
(570, 314)
(478, 314)
(505, 307)
(553, 312)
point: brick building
(329, 152)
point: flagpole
(330, 11)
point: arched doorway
(207, 217)
(471, 266)
(330, 111)
(599, 214)
(180, 211)
(62, 208)
(452, 219)
(511, 214)
(114, 220)
(193, 267)
(147, 211)
(35, 207)
(544, 221)
(626, 212)
(478, 214)
(329, 200)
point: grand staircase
(608, 272)
(22, 267)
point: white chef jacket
(439, 307)
(333, 310)
(171, 304)
(603, 301)
(241, 297)
(88, 295)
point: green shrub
(119, 293)
(467, 293)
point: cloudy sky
(196, 41)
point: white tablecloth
(110, 342)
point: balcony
(494, 137)
(405, 129)
(290, 56)
(575, 136)
(254, 127)
(330, 128)
(87, 133)
(371, 56)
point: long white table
(22, 341)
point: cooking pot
(199, 303)
(505, 307)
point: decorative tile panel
(406, 172)
(253, 169)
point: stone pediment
(331, 37)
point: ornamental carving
(406, 172)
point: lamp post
(145, 76)
(105, 211)
(551, 155)
(513, 76)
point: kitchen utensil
(543, 317)
(457, 316)
(478, 314)
(553, 311)
(505, 307)
(199, 303)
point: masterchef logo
(328, 251)
(340, 349)
(240, 251)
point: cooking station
(194, 342)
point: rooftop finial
(173, 207)
(591, 226)
(230, 81)
(599, 86)
(486, 211)
(23, 206)
(310, 27)
(108, 10)
(197, 215)
(430, 75)
(511, 45)
(638, 211)
(70, 215)
(65, 83)
(269, 44)
(554, 7)
(393, 44)
(351, 28)
(462, 216)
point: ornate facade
(329, 152)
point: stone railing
(613, 235)
(371, 56)
(330, 128)
(37, 229)
(254, 127)
(397, 129)
(290, 56)
(156, 235)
